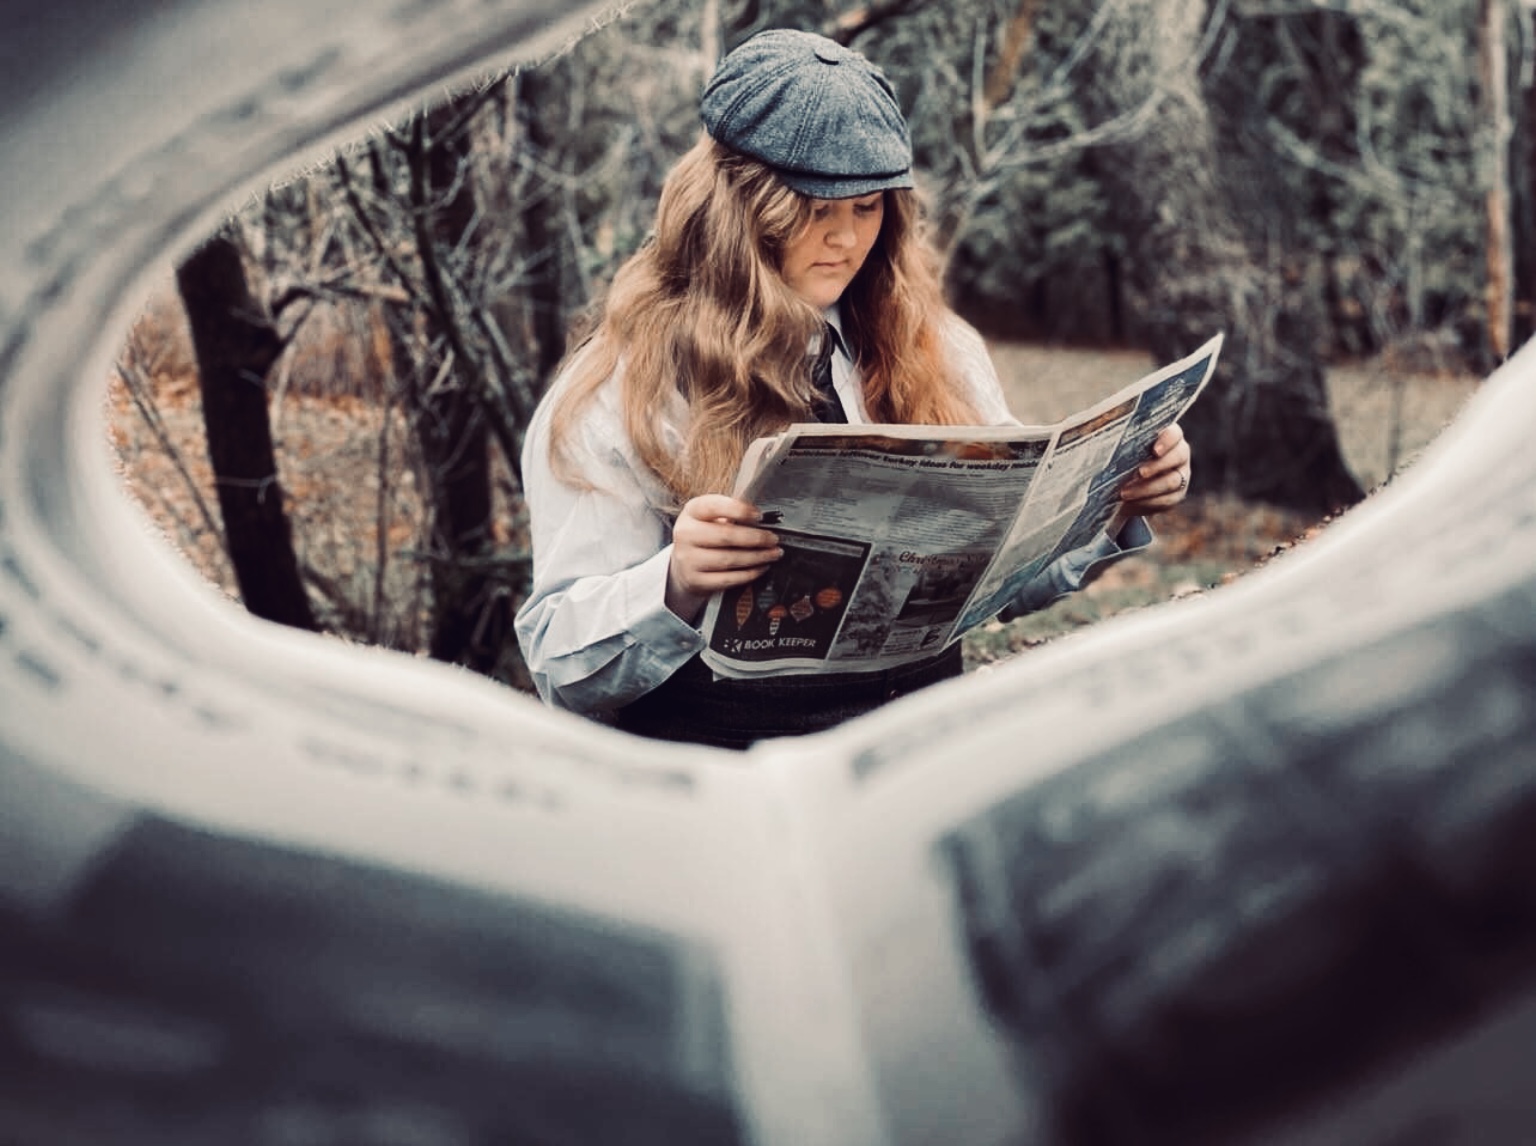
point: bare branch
(848, 26)
(370, 228)
(132, 374)
(1017, 39)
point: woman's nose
(840, 233)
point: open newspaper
(899, 539)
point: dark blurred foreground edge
(1257, 869)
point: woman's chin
(822, 295)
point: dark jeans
(693, 707)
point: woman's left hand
(1160, 482)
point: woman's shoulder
(961, 339)
(595, 429)
(592, 409)
(971, 361)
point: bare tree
(1523, 178)
(468, 236)
(1119, 100)
(236, 346)
(1493, 70)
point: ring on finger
(1183, 480)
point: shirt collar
(833, 316)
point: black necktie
(827, 407)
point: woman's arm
(617, 587)
(595, 630)
(1080, 567)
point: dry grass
(1386, 417)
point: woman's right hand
(715, 545)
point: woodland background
(324, 407)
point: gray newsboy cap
(819, 114)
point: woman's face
(821, 260)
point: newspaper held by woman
(899, 539)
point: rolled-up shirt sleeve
(1071, 571)
(595, 630)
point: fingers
(1168, 439)
(1162, 481)
(1170, 452)
(715, 547)
(709, 506)
(1162, 486)
(705, 570)
(716, 522)
(1153, 503)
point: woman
(788, 281)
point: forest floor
(338, 492)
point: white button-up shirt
(595, 630)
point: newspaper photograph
(899, 539)
(794, 610)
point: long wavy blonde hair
(701, 309)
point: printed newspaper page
(898, 539)
(1094, 453)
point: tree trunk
(236, 346)
(543, 292)
(1262, 430)
(1493, 73)
(1524, 182)
(472, 616)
